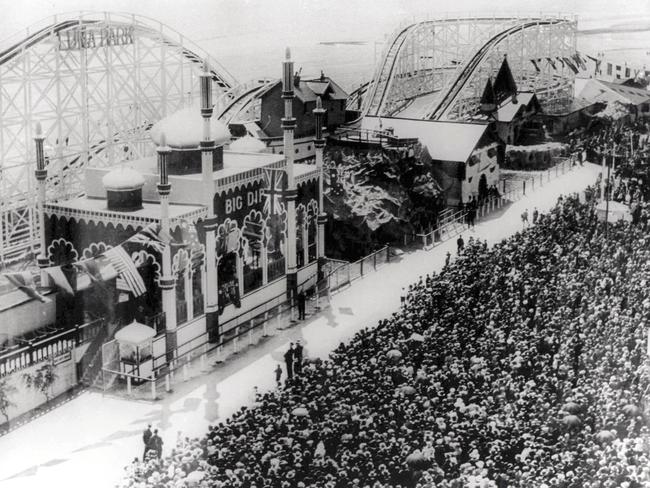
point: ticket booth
(135, 342)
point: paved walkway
(88, 441)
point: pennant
(551, 62)
(535, 64)
(126, 268)
(60, 279)
(24, 281)
(571, 66)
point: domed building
(189, 240)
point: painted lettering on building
(88, 38)
(243, 201)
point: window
(297, 150)
(308, 147)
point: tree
(42, 379)
(6, 390)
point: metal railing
(343, 273)
(456, 222)
(238, 332)
(48, 347)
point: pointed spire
(287, 54)
(504, 83)
(39, 130)
(319, 102)
(488, 100)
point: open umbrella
(300, 412)
(631, 410)
(394, 354)
(195, 476)
(571, 420)
(417, 460)
(605, 436)
(571, 407)
(407, 390)
(416, 337)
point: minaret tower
(167, 281)
(319, 145)
(210, 224)
(288, 126)
(41, 177)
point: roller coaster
(97, 81)
(442, 65)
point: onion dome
(247, 144)
(184, 129)
(123, 189)
(122, 178)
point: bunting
(551, 62)
(536, 66)
(60, 279)
(24, 281)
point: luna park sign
(87, 38)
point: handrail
(204, 335)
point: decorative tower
(319, 144)
(210, 224)
(288, 126)
(41, 177)
(167, 281)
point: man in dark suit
(288, 360)
(302, 299)
(146, 438)
(297, 355)
(157, 443)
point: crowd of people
(523, 365)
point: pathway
(88, 441)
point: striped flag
(125, 266)
(24, 281)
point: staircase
(90, 365)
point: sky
(247, 35)
(297, 20)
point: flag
(535, 64)
(152, 236)
(274, 182)
(24, 281)
(96, 270)
(60, 279)
(125, 266)
(551, 62)
(570, 64)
